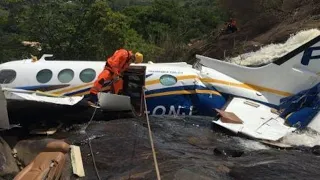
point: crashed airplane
(210, 87)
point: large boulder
(8, 166)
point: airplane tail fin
(304, 59)
(300, 51)
(291, 67)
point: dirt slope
(260, 22)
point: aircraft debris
(76, 160)
(46, 131)
(32, 44)
(229, 117)
(4, 119)
(48, 164)
(180, 88)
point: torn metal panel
(258, 121)
(4, 119)
(133, 84)
(34, 97)
(114, 102)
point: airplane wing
(107, 101)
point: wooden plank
(76, 161)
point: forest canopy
(94, 29)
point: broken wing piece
(229, 117)
(4, 119)
(24, 96)
(258, 121)
(114, 102)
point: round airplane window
(168, 80)
(7, 76)
(87, 75)
(44, 76)
(65, 75)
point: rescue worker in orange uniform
(115, 65)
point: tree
(94, 29)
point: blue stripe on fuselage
(182, 104)
(32, 87)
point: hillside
(93, 30)
(260, 23)
(163, 30)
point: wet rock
(183, 151)
(183, 174)
(8, 166)
(198, 142)
(316, 150)
(230, 152)
(275, 165)
(223, 169)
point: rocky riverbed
(186, 148)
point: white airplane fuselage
(167, 85)
(179, 88)
(171, 88)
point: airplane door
(133, 83)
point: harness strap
(128, 58)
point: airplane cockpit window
(66, 75)
(87, 75)
(44, 76)
(7, 76)
(168, 80)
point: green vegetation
(94, 29)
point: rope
(150, 137)
(134, 148)
(93, 160)
(89, 143)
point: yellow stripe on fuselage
(67, 90)
(228, 83)
(247, 86)
(87, 92)
(179, 78)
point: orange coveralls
(115, 65)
